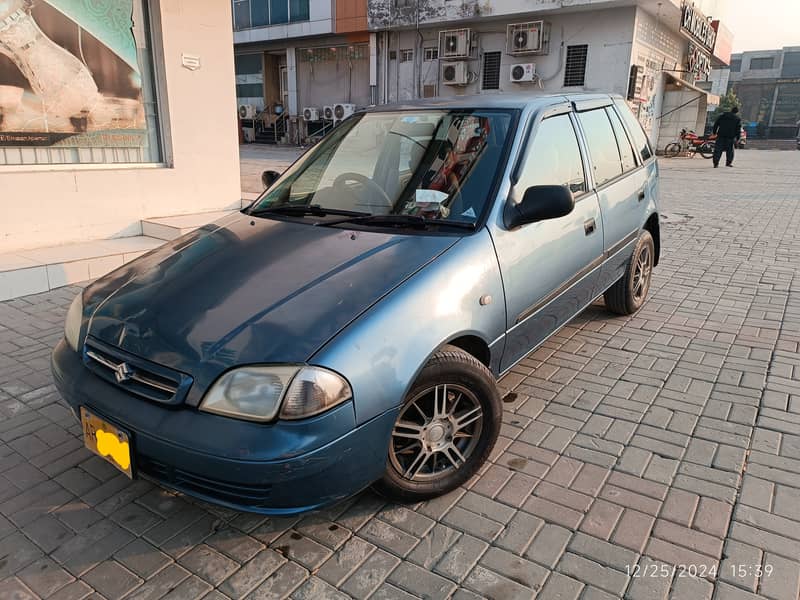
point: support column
(291, 80)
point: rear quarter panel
(382, 352)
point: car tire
(629, 293)
(450, 367)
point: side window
(623, 143)
(554, 157)
(640, 142)
(603, 150)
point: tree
(726, 102)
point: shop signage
(697, 26)
(698, 62)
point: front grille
(234, 493)
(135, 375)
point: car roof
(497, 101)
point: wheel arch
(652, 225)
(473, 345)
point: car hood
(250, 290)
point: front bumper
(280, 468)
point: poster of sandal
(69, 74)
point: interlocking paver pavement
(636, 456)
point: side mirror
(269, 177)
(539, 203)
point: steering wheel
(339, 184)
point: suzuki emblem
(124, 372)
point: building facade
(297, 54)
(385, 51)
(653, 53)
(100, 120)
(767, 83)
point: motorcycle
(690, 143)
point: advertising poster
(69, 75)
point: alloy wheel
(641, 274)
(436, 433)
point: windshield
(435, 164)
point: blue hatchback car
(347, 329)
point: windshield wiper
(410, 221)
(306, 209)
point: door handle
(589, 226)
(641, 195)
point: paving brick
(677, 555)
(235, 544)
(602, 552)
(208, 564)
(373, 571)
(633, 530)
(756, 492)
(561, 587)
(252, 573)
(563, 496)
(355, 551)
(309, 553)
(486, 507)
(142, 558)
(111, 579)
(167, 579)
(601, 519)
(680, 506)
(43, 577)
(691, 588)
(421, 582)
(519, 532)
(767, 521)
(588, 571)
(473, 524)
(191, 587)
(281, 583)
(739, 563)
(13, 589)
(461, 557)
(315, 588)
(489, 584)
(548, 545)
(784, 581)
(649, 587)
(626, 498)
(16, 552)
(712, 517)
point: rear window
(638, 137)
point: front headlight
(72, 324)
(257, 393)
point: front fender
(382, 352)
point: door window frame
(535, 122)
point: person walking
(728, 129)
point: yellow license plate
(108, 442)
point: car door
(549, 268)
(620, 185)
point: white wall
(608, 33)
(53, 205)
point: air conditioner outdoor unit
(523, 73)
(455, 43)
(526, 38)
(455, 73)
(342, 111)
(310, 113)
(327, 113)
(248, 111)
